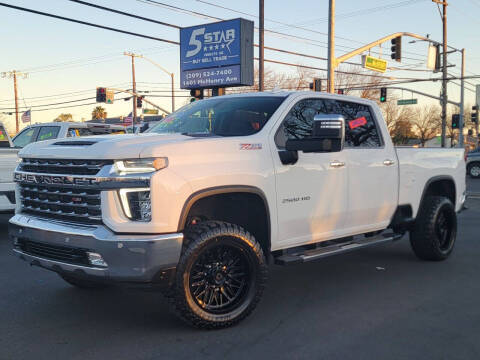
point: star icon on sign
(216, 47)
(211, 47)
(223, 46)
(205, 48)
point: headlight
(140, 165)
(136, 204)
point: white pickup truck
(203, 202)
(34, 133)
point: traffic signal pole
(261, 45)
(134, 86)
(16, 101)
(462, 103)
(331, 47)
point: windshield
(222, 116)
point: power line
(300, 27)
(125, 13)
(284, 35)
(88, 23)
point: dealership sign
(217, 55)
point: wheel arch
(249, 200)
(443, 185)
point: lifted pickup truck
(223, 186)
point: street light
(169, 73)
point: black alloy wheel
(220, 276)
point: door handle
(337, 164)
(388, 162)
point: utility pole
(13, 75)
(134, 85)
(331, 47)
(261, 75)
(444, 68)
(462, 102)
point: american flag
(128, 119)
(27, 116)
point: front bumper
(132, 258)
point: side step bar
(329, 248)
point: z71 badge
(250, 146)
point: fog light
(96, 259)
(136, 204)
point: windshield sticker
(250, 146)
(357, 122)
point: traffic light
(340, 91)
(474, 117)
(197, 94)
(109, 96)
(455, 121)
(317, 84)
(139, 101)
(383, 94)
(101, 94)
(397, 48)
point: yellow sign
(375, 64)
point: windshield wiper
(198, 134)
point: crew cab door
(372, 167)
(312, 194)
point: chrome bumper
(129, 258)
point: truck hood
(103, 146)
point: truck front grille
(62, 203)
(54, 252)
(65, 167)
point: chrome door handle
(337, 164)
(388, 162)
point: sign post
(217, 55)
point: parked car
(473, 163)
(34, 133)
(8, 162)
(203, 201)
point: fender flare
(193, 198)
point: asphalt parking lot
(378, 303)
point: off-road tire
(83, 283)
(202, 241)
(473, 170)
(428, 240)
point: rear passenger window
(48, 132)
(360, 127)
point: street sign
(375, 64)
(217, 54)
(150, 111)
(407, 102)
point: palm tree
(64, 117)
(99, 113)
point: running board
(325, 249)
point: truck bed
(419, 166)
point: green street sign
(407, 102)
(150, 111)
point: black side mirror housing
(328, 135)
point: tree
(427, 123)
(64, 117)
(99, 113)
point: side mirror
(328, 135)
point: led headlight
(140, 165)
(136, 204)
